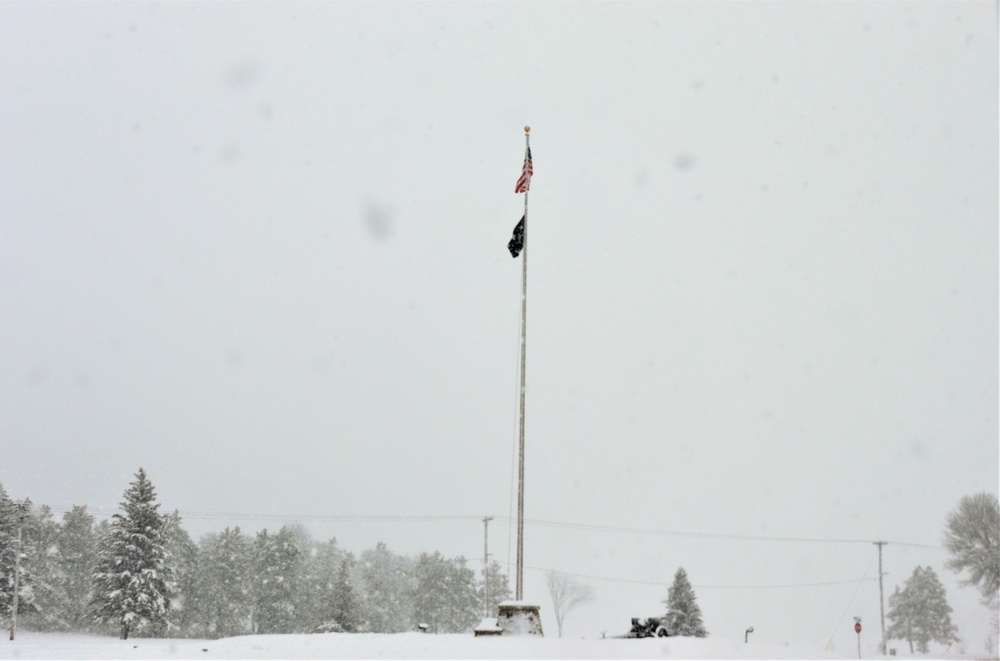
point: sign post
(857, 630)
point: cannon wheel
(661, 632)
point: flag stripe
(524, 182)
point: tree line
(141, 574)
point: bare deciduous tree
(972, 536)
(567, 594)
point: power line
(363, 518)
(341, 518)
(864, 577)
(710, 587)
(677, 533)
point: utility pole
(881, 599)
(486, 564)
(17, 571)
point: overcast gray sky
(259, 249)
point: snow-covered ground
(29, 645)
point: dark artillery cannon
(649, 628)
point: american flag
(524, 183)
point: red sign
(857, 627)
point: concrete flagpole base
(519, 618)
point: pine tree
(132, 582)
(318, 569)
(494, 588)
(76, 553)
(444, 596)
(13, 522)
(344, 610)
(347, 604)
(386, 580)
(276, 573)
(225, 605)
(919, 613)
(41, 571)
(319, 591)
(8, 552)
(464, 605)
(683, 616)
(183, 560)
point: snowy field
(30, 645)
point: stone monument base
(519, 618)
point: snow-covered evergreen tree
(8, 552)
(276, 572)
(317, 585)
(14, 515)
(346, 602)
(683, 616)
(919, 613)
(41, 567)
(445, 596)
(76, 553)
(132, 582)
(496, 585)
(225, 604)
(386, 582)
(343, 613)
(183, 560)
(317, 572)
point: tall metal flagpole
(519, 591)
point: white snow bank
(390, 646)
(31, 645)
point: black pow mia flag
(516, 243)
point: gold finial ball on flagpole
(527, 129)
